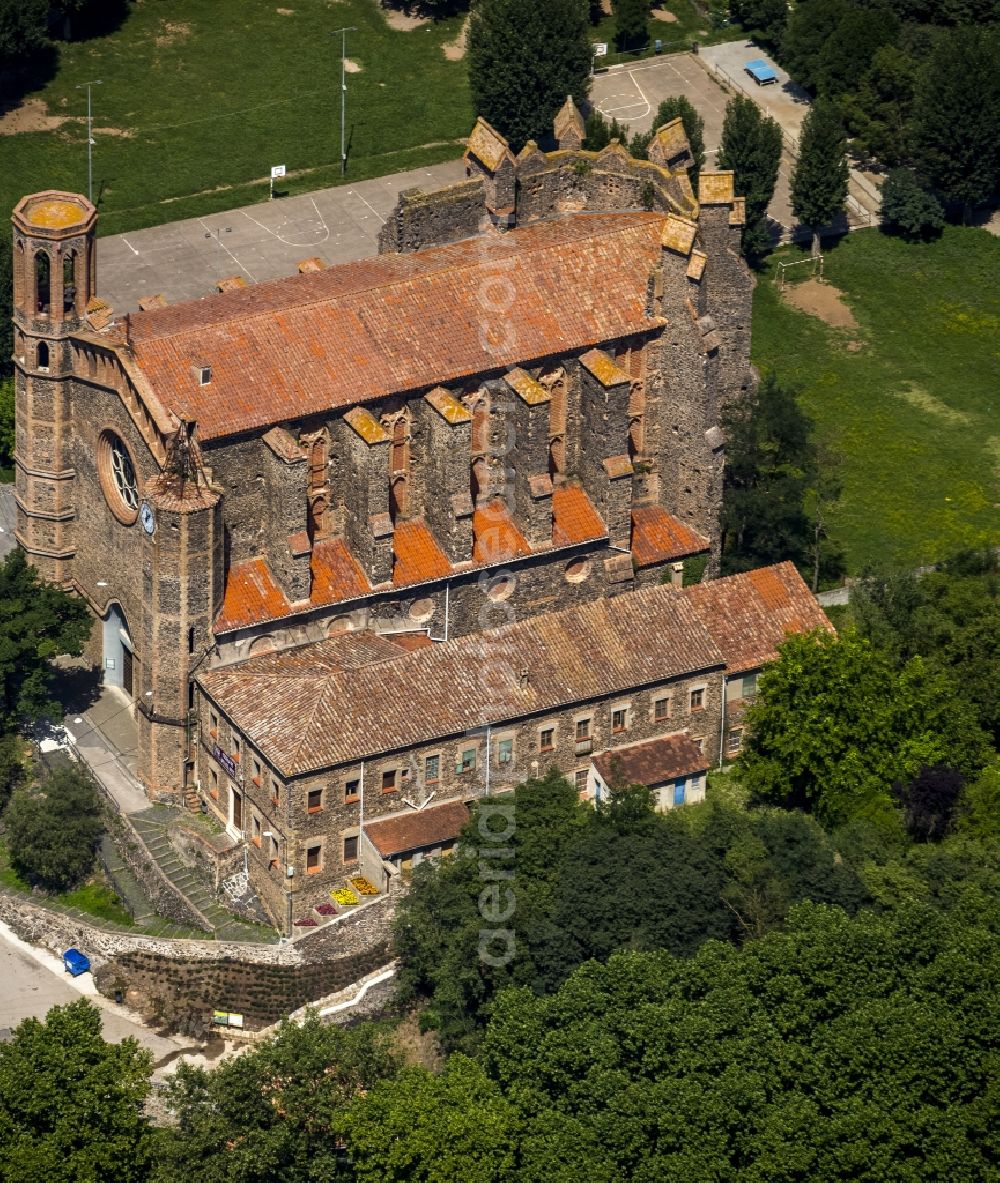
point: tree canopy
(71, 1105)
(751, 147)
(819, 179)
(524, 59)
(835, 725)
(53, 828)
(38, 621)
(775, 486)
(694, 129)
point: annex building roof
(317, 341)
(327, 704)
(355, 696)
(652, 762)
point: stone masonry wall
(181, 982)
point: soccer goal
(817, 268)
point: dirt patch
(172, 32)
(664, 14)
(820, 299)
(285, 11)
(401, 21)
(923, 400)
(454, 51)
(420, 1048)
(31, 115)
(351, 67)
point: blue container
(75, 962)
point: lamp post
(90, 137)
(343, 90)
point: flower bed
(362, 886)
(344, 895)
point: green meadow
(909, 401)
(199, 98)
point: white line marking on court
(642, 96)
(355, 193)
(129, 245)
(227, 250)
(288, 241)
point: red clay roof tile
(418, 556)
(336, 574)
(653, 762)
(574, 519)
(312, 342)
(251, 595)
(658, 537)
(496, 538)
(415, 830)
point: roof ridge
(140, 320)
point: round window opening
(117, 472)
(422, 609)
(577, 570)
(502, 588)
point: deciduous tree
(38, 621)
(819, 179)
(906, 207)
(835, 725)
(71, 1105)
(53, 828)
(524, 59)
(751, 146)
(631, 23)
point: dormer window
(203, 374)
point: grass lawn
(202, 96)
(676, 35)
(93, 897)
(914, 413)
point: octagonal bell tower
(54, 274)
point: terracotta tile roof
(679, 234)
(409, 641)
(447, 406)
(363, 330)
(658, 537)
(750, 615)
(418, 556)
(717, 188)
(366, 425)
(417, 829)
(569, 119)
(523, 385)
(336, 573)
(574, 519)
(495, 537)
(251, 595)
(653, 762)
(305, 710)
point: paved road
(34, 981)
(185, 260)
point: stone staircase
(152, 826)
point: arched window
(43, 356)
(477, 479)
(69, 281)
(42, 282)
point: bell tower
(54, 273)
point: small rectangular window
(275, 793)
(661, 709)
(505, 750)
(389, 781)
(314, 859)
(619, 719)
(255, 829)
(698, 699)
(213, 723)
(432, 770)
(352, 790)
(546, 738)
(466, 761)
(580, 778)
(735, 741)
(237, 754)
(214, 784)
(256, 772)
(314, 801)
(582, 729)
(351, 849)
(749, 685)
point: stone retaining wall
(178, 983)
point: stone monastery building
(302, 511)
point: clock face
(147, 517)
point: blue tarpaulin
(760, 71)
(76, 963)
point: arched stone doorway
(119, 652)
